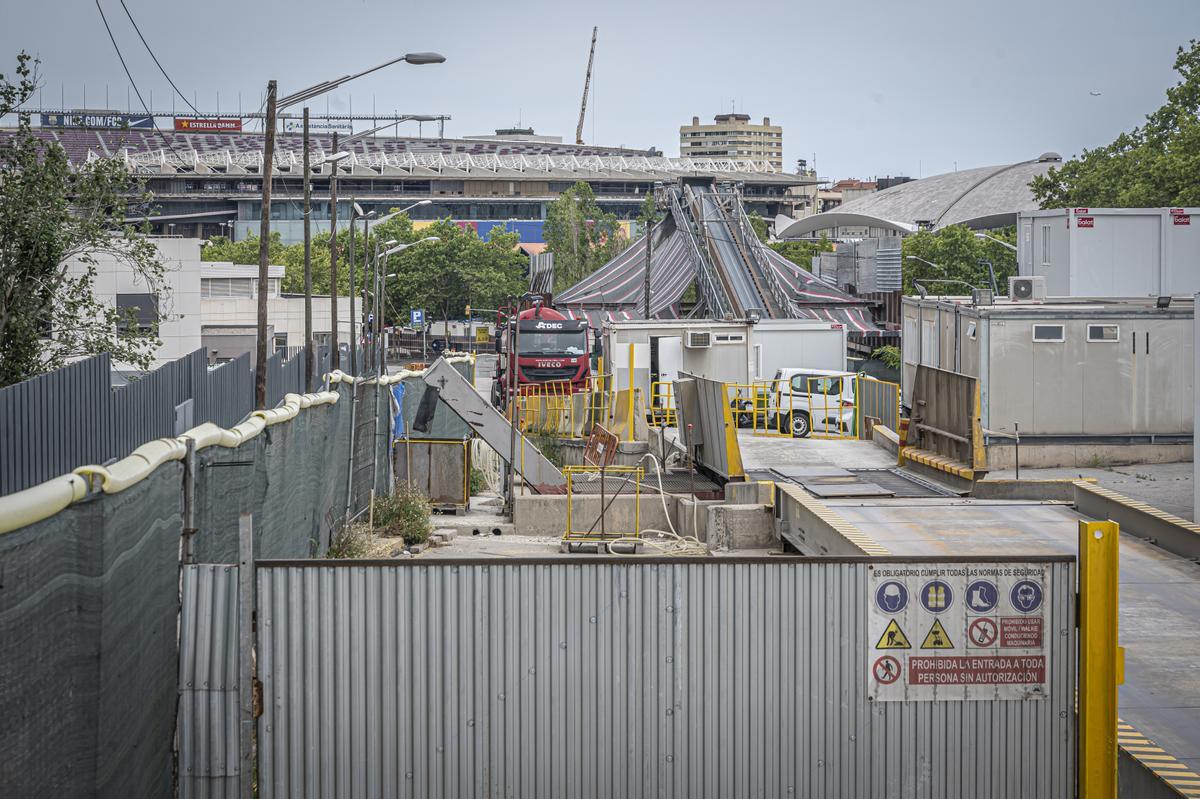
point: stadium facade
(207, 181)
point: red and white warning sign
(955, 631)
(1181, 219)
(1085, 221)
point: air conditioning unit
(1027, 289)
(698, 339)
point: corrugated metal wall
(620, 678)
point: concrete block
(685, 509)
(740, 527)
(447, 533)
(760, 492)
(417, 549)
(546, 514)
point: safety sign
(978, 631)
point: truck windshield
(572, 343)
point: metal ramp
(486, 420)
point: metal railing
(878, 401)
(628, 475)
(662, 404)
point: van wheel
(799, 424)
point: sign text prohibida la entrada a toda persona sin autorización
(955, 631)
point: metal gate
(628, 676)
(878, 401)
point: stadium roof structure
(463, 165)
(980, 198)
(617, 289)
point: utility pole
(649, 258)
(335, 360)
(353, 330)
(264, 250)
(310, 354)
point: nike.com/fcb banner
(97, 119)
(208, 125)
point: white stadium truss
(290, 161)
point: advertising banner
(208, 125)
(110, 120)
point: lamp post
(381, 293)
(310, 360)
(1001, 242)
(274, 105)
(939, 267)
(356, 212)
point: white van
(813, 399)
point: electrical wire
(156, 61)
(133, 83)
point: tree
(459, 270)
(959, 253)
(760, 227)
(801, 252)
(1155, 165)
(581, 236)
(56, 224)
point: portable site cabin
(1065, 372)
(1112, 252)
(730, 351)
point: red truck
(553, 349)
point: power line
(133, 83)
(152, 55)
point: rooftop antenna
(587, 83)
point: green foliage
(760, 227)
(56, 222)
(959, 252)
(549, 446)
(478, 482)
(443, 276)
(581, 236)
(889, 354)
(405, 514)
(350, 542)
(1155, 165)
(801, 252)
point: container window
(1108, 333)
(971, 328)
(1048, 333)
(730, 338)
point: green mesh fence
(89, 597)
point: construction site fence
(562, 410)
(770, 407)
(51, 423)
(90, 600)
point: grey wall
(622, 677)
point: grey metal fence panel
(73, 416)
(208, 683)
(51, 420)
(621, 678)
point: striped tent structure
(617, 289)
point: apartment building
(733, 136)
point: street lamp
(929, 263)
(381, 282)
(386, 217)
(356, 211)
(310, 354)
(1001, 242)
(274, 105)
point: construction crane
(587, 83)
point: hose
(675, 545)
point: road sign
(980, 632)
(482, 336)
(418, 317)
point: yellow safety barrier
(827, 412)
(757, 406)
(628, 474)
(876, 399)
(1101, 661)
(662, 404)
(556, 409)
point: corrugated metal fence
(73, 416)
(619, 678)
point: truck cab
(542, 346)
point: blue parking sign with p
(418, 317)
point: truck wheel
(799, 424)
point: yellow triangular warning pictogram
(893, 638)
(936, 638)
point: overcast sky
(870, 87)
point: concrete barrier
(740, 527)
(1170, 532)
(1060, 490)
(546, 514)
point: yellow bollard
(1101, 661)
